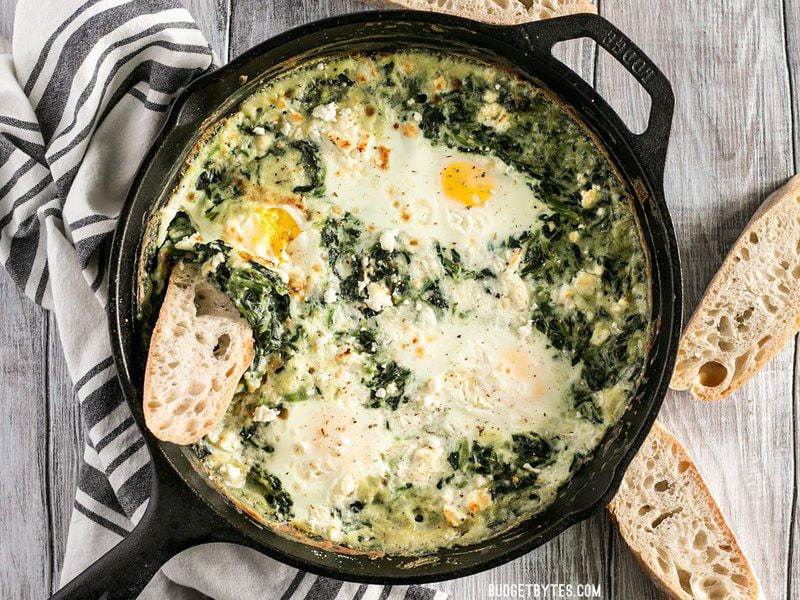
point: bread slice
(674, 528)
(752, 306)
(199, 350)
(503, 12)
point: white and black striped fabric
(82, 93)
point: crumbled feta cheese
(425, 464)
(331, 295)
(416, 116)
(586, 283)
(590, 197)
(259, 131)
(343, 490)
(233, 475)
(391, 388)
(265, 414)
(453, 515)
(380, 393)
(495, 116)
(619, 307)
(600, 334)
(229, 442)
(379, 297)
(388, 240)
(478, 500)
(262, 142)
(325, 112)
(574, 237)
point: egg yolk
(281, 228)
(467, 183)
(522, 366)
(263, 228)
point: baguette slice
(752, 306)
(199, 350)
(503, 12)
(674, 528)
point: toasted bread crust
(752, 348)
(685, 474)
(514, 13)
(178, 407)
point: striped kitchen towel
(82, 94)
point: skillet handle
(652, 143)
(175, 520)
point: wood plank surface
(6, 18)
(732, 144)
(25, 559)
(734, 67)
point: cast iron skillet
(184, 510)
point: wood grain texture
(253, 21)
(212, 17)
(732, 144)
(6, 18)
(25, 557)
(64, 448)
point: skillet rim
(120, 321)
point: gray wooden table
(734, 67)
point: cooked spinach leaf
(263, 300)
(270, 488)
(529, 450)
(387, 386)
(450, 259)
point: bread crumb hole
(726, 548)
(223, 343)
(196, 388)
(215, 385)
(769, 305)
(720, 569)
(685, 578)
(796, 272)
(153, 404)
(724, 326)
(663, 517)
(683, 466)
(712, 374)
(744, 316)
(644, 509)
(181, 408)
(662, 486)
(753, 237)
(700, 540)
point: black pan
(184, 510)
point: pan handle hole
(609, 78)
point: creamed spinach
(447, 292)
